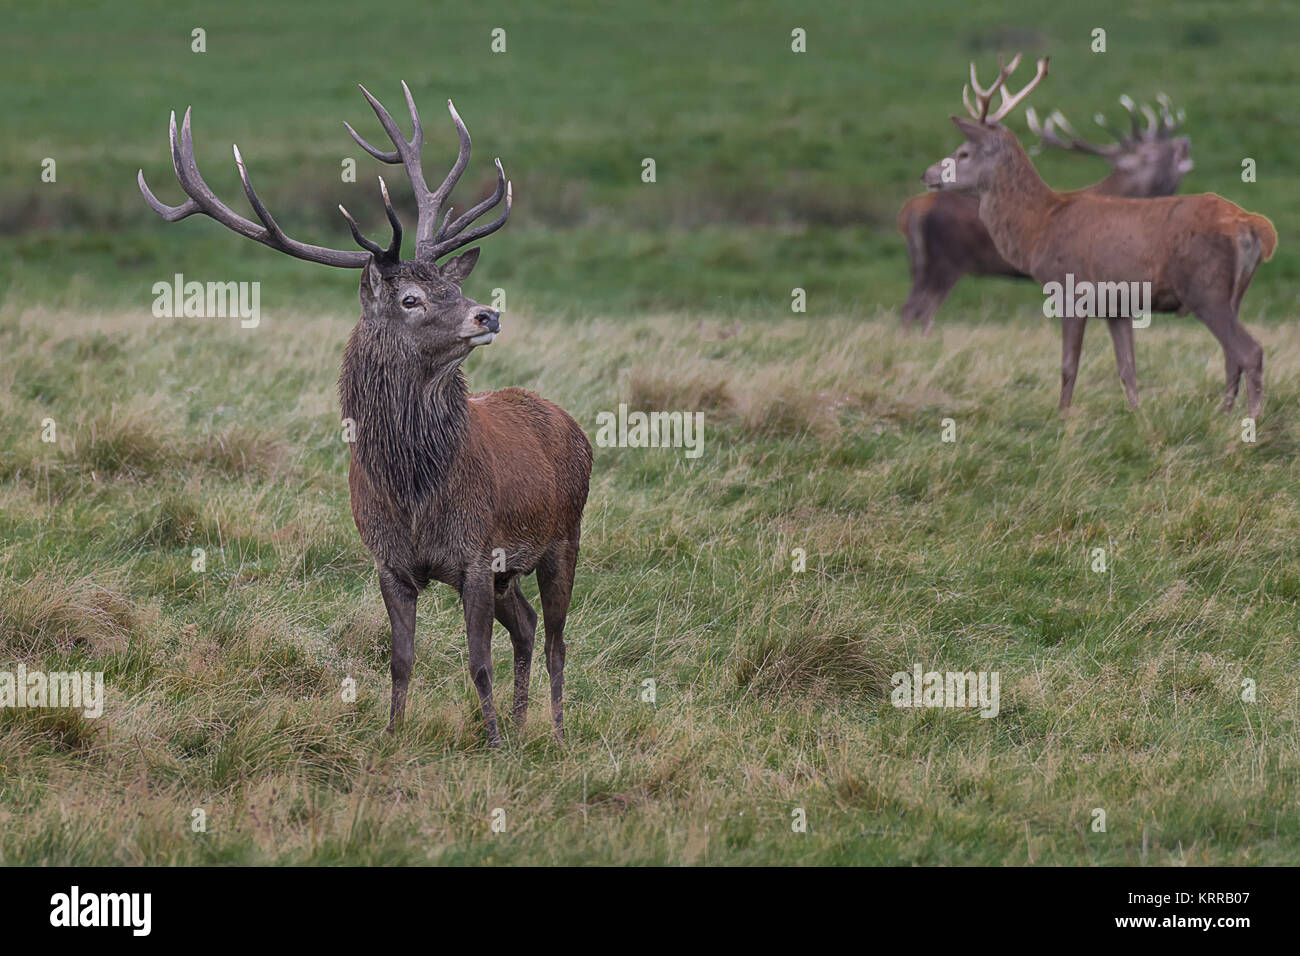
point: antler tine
(426, 245)
(169, 213)
(1070, 138)
(202, 199)
(1046, 137)
(1153, 124)
(394, 251)
(456, 241)
(983, 96)
(404, 148)
(1135, 124)
(394, 247)
(1171, 120)
(1100, 120)
(450, 229)
(975, 83)
(1009, 103)
(1079, 143)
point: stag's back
(1174, 242)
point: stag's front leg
(399, 599)
(1121, 336)
(476, 595)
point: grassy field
(1120, 691)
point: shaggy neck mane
(411, 419)
(1014, 208)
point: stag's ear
(372, 281)
(458, 269)
(974, 131)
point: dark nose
(490, 319)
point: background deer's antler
(983, 97)
(1057, 131)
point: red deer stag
(946, 240)
(1198, 253)
(474, 491)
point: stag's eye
(410, 302)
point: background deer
(1199, 253)
(946, 240)
(470, 490)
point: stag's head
(417, 299)
(421, 304)
(1148, 160)
(989, 146)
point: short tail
(905, 217)
(1266, 234)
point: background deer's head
(1146, 161)
(989, 146)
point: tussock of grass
(239, 451)
(122, 443)
(47, 615)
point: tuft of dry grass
(49, 614)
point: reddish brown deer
(1198, 253)
(474, 491)
(946, 240)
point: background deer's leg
(1121, 336)
(1232, 379)
(555, 581)
(1241, 353)
(399, 599)
(519, 618)
(1071, 345)
(928, 293)
(1251, 356)
(476, 595)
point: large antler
(434, 240)
(1162, 128)
(983, 97)
(1066, 138)
(203, 200)
(1057, 131)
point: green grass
(1119, 691)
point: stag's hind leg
(519, 618)
(1071, 345)
(555, 581)
(1241, 354)
(1121, 336)
(477, 597)
(1252, 360)
(1232, 379)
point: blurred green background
(774, 169)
